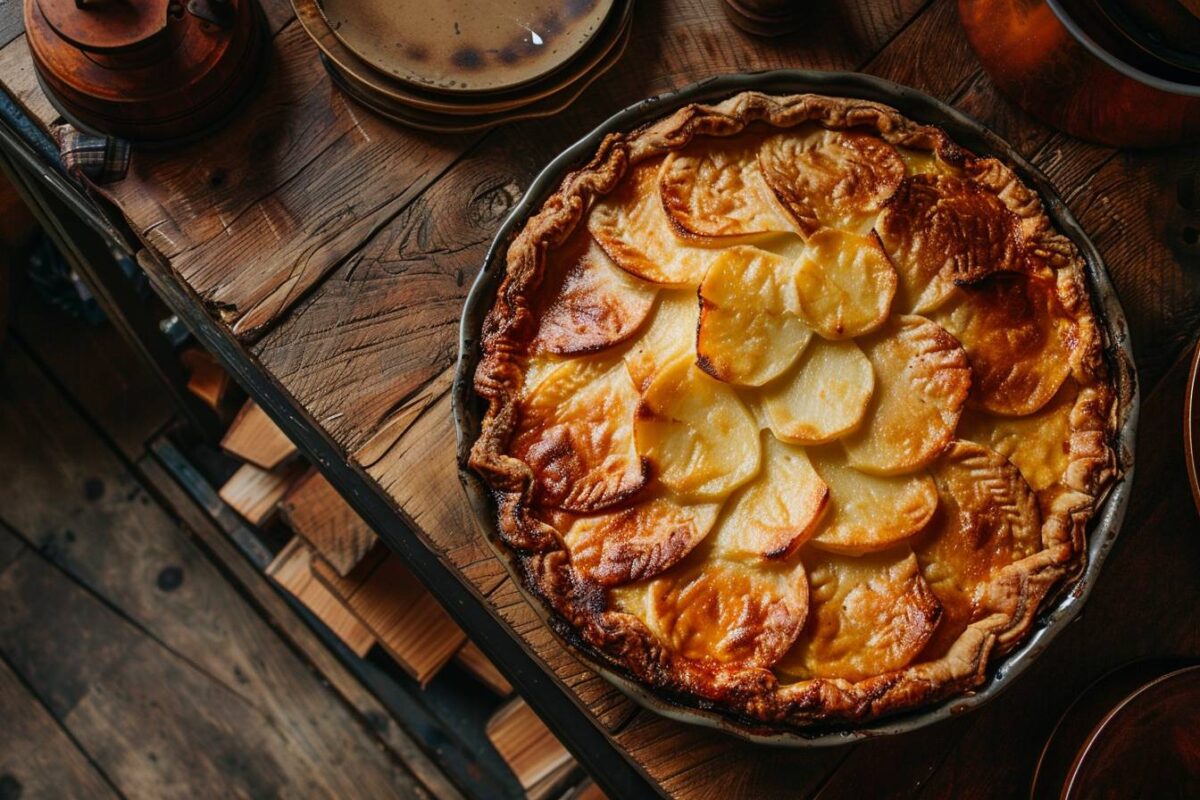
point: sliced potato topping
(941, 229)
(845, 284)
(716, 611)
(869, 512)
(989, 518)
(576, 434)
(638, 542)
(697, 436)
(670, 334)
(921, 382)
(1018, 340)
(868, 615)
(824, 396)
(833, 179)
(749, 332)
(1033, 443)
(714, 187)
(587, 303)
(632, 227)
(775, 513)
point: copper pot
(1124, 73)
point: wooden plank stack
(335, 566)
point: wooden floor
(130, 665)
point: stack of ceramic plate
(465, 65)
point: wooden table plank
(37, 758)
(366, 353)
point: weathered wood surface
(37, 757)
(315, 511)
(363, 334)
(168, 680)
(292, 569)
(253, 437)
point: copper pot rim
(1129, 71)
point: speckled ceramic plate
(1058, 611)
(381, 92)
(466, 46)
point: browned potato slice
(1018, 340)
(576, 434)
(823, 397)
(1036, 444)
(723, 612)
(586, 303)
(714, 187)
(833, 179)
(939, 230)
(632, 227)
(670, 334)
(637, 542)
(921, 382)
(989, 518)
(868, 615)
(924, 162)
(698, 437)
(749, 332)
(845, 284)
(776, 512)
(869, 512)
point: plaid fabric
(99, 159)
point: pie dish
(797, 411)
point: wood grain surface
(316, 512)
(340, 248)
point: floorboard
(37, 758)
(138, 644)
(96, 368)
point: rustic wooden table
(324, 254)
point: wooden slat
(526, 744)
(472, 659)
(407, 622)
(207, 379)
(316, 512)
(37, 758)
(253, 437)
(292, 569)
(255, 493)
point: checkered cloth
(86, 157)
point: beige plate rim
(437, 123)
(353, 69)
(416, 85)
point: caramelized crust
(632, 227)
(870, 615)
(587, 303)
(1018, 339)
(941, 230)
(576, 434)
(718, 612)
(922, 379)
(637, 542)
(831, 178)
(715, 188)
(715, 620)
(988, 519)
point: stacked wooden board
(337, 569)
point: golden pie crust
(796, 410)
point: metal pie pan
(1063, 607)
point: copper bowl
(1086, 69)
